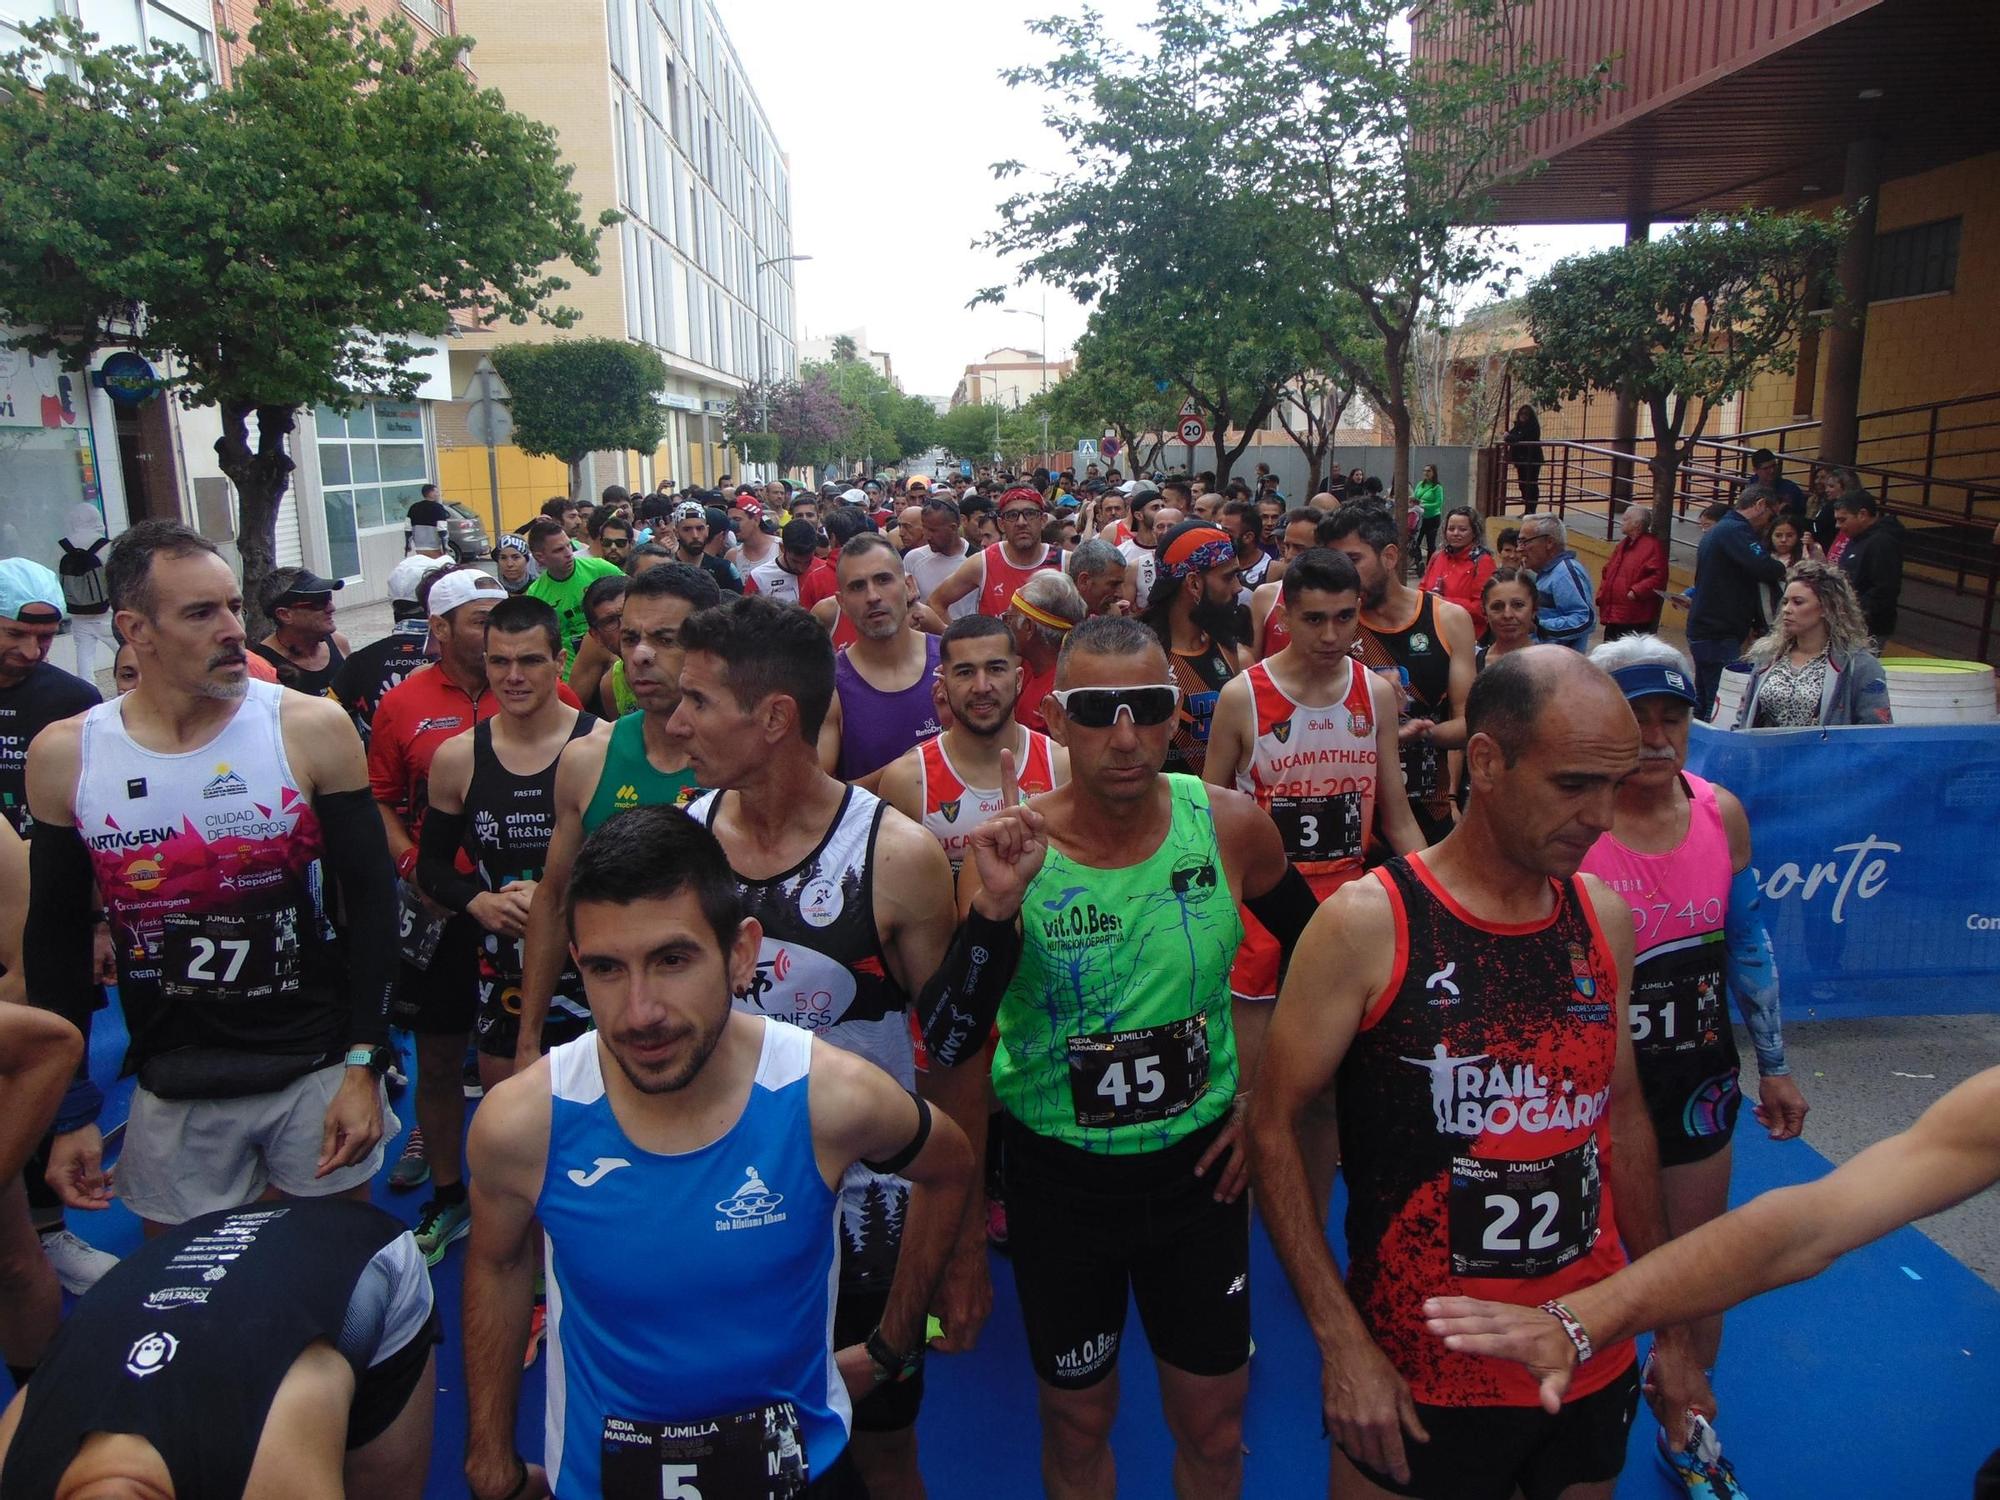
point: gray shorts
(184, 1157)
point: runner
(213, 813)
(756, 544)
(1098, 570)
(1116, 1067)
(1468, 1005)
(629, 762)
(1426, 643)
(1137, 540)
(1043, 612)
(996, 572)
(1678, 853)
(635, 1147)
(854, 904)
(371, 670)
(1192, 609)
(1299, 530)
(590, 673)
(610, 531)
(951, 783)
(1311, 735)
(782, 578)
(715, 559)
(303, 646)
(492, 796)
(944, 551)
(886, 681)
(564, 577)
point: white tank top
(1314, 770)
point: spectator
(1790, 499)
(1730, 567)
(1632, 592)
(1508, 602)
(1790, 542)
(428, 521)
(1524, 452)
(1829, 484)
(1459, 569)
(1507, 547)
(1564, 614)
(1814, 667)
(1872, 560)
(1429, 495)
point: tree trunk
(1395, 350)
(1665, 465)
(261, 478)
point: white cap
(407, 574)
(853, 497)
(463, 587)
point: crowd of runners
(819, 891)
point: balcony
(434, 14)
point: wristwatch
(895, 1367)
(375, 1059)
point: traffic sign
(490, 422)
(1193, 431)
(1109, 448)
(1189, 409)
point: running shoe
(413, 1168)
(996, 1224)
(1699, 1467)
(538, 1329)
(78, 1265)
(439, 1224)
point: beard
(675, 1077)
(1216, 621)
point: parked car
(465, 534)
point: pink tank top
(1677, 896)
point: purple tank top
(876, 727)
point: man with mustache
(215, 815)
(1678, 853)
(1192, 610)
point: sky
(892, 114)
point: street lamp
(1042, 318)
(763, 373)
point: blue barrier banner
(1878, 853)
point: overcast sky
(892, 114)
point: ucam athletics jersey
(953, 810)
(1313, 769)
(690, 1296)
(210, 866)
(821, 966)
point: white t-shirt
(930, 569)
(773, 582)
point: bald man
(1467, 1004)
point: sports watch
(375, 1059)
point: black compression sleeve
(1284, 910)
(438, 844)
(56, 941)
(957, 1006)
(890, 1166)
(357, 853)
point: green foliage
(581, 396)
(1107, 389)
(760, 447)
(968, 432)
(805, 415)
(276, 241)
(1680, 323)
(887, 425)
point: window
(1915, 262)
(372, 465)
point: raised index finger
(1010, 791)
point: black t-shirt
(429, 513)
(45, 695)
(315, 682)
(371, 670)
(723, 571)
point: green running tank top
(629, 780)
(1115, 1034)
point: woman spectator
(1789, 542)
(1632, 591)
(1459, 569)
(1524, 452)
(1429, 495)
(1828, 485)
(1509, 604)
(1813, 668)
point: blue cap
(25, 582)
(1648, 679)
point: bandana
(1196, 551)
(1021, 492)
(1039, 616)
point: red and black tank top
(1475, 1130)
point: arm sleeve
(437, 861)
(957, 1006)
(1284, 910)
(55, 958)
(1752, 973)
(357, 854)
(385, 758)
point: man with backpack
(86, 596)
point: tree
(1391, 148)
(805, 416)
(968, 432)
(1104, 389)
(276, 242)
(845, 352)
(1680, 323)
(577, 397)
(1309, 410)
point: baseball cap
(853, 497)
(1649, 679)
(24, 584)
(916, 482)
(407, 574)
(751, 509)
(463, 587)
(690, 510)
(295, 583)
(718, 519)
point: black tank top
(509, 818)
(185, 1341)
(1200, 679)
(318, 681)
(1422, 664)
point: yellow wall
(525, 482)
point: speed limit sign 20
(1193, 430)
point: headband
(1196, 551)
(1037, 614)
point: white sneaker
(78, 1265)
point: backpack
(81, 570)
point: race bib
(1132, 1077)
(754, 1455)
(418, 931)
(226, 958)
(1315, 828)
(1676, 1003)
(1523, 1218)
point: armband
(1751, 972)
(958, 1004)
(890, 1166)
(1284, 910)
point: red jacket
(1459, 576)
(1634, 574)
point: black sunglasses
(1099, 707)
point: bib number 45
(1133, 1077)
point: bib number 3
(1319, 828)
(1519, 1219)
(1133, 1077)
(758, 1453)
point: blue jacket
(1564, 614)
(1730, 567)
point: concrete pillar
(1625, 419)
(1840, 401)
